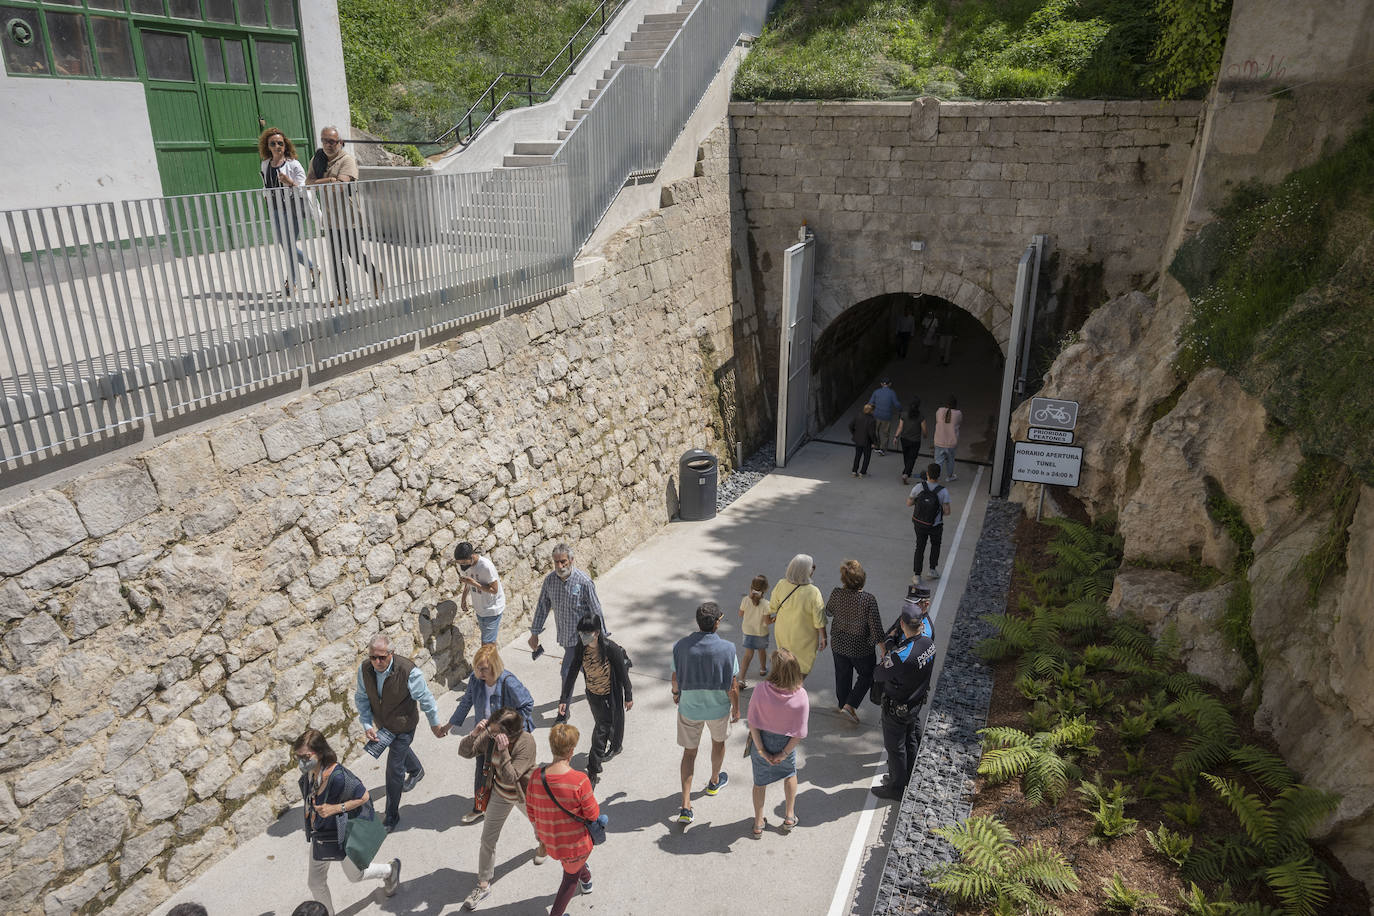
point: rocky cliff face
(1155, 450)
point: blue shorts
(490, 628)
(756, 642)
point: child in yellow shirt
(753, 607)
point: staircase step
(656, 30)
(536, 148)
(678, 18)
(661, 41)
(521, 162)
(564, 134)
(580, 113)
(603, 82)
(569, 125)
(637, 56)
(586, 103)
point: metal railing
(634, 121)
(497, 98)
(113, 314)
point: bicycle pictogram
(1051, 412)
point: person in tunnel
(863, 431)
(911, 428)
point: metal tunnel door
(794, 352)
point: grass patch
(415, 66)
(959, 49)
(1323, 484)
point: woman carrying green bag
(340, 823)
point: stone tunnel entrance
(859, 347)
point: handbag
(749, 744)
(365, 835)
(595, 829)
(483, 796)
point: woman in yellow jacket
(799, 610)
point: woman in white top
(947, 420)
(284, 178)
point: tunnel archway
(859, 346)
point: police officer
(904, 674)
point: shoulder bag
(483, 796)
(595, 829)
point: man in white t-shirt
(479, 579)
(930, 504)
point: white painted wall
(324, 65)
(74, 141)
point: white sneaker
(393, 880)
(915, 580)
(953, 477)
(934, 573)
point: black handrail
(604, 11)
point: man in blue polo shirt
(886, 408)
(706, 691)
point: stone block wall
(973, 181)
(169, 623)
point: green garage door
(210, 94)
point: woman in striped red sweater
(565, 838)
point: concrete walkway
(829, 865)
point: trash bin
(698, 471)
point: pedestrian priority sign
(1038, 462)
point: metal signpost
(1049, 457)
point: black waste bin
(698, 471)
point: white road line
(954, 547)
(840, 904)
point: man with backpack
(929, 502)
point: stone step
(580, 113)
(522, 162)
(679, 17)
(569, 125)
(635, 57)
(536, 148)
(603, 82)
(565, 134)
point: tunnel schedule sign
(1038, 462)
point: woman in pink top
(947, 420)
(778, 710)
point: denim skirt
(766, 773)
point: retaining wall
(169, 623)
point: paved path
(828, 866)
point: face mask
(564, 573)
(587, 638)
(308, 766)
(755, 594)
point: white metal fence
(112, 314)
(633, 123)
(117, 312)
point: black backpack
(926, 508)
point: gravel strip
(751, 472)
(941, 789)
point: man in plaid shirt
(571, 594)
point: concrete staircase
(643, 49)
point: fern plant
(994, 870)
(1134, 729)
(1187, 812)
(1046, 761)
(1107, 807)
(1117, 896)
(1096, 696)
(1034, 640)
(1213, 736)
(1171, 845)
(1276, 847)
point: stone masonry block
(35, 528)
(113, 497)
(182, 469)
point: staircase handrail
(605, 10)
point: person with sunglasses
(283, 177)
(341, 215)
(391, 693)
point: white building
(104, 100)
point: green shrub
(993, 870)
(831, 49)
(1107, 808)
(1117, 896)
(1046, 761)
(1171, 845)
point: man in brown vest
(391, 693)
